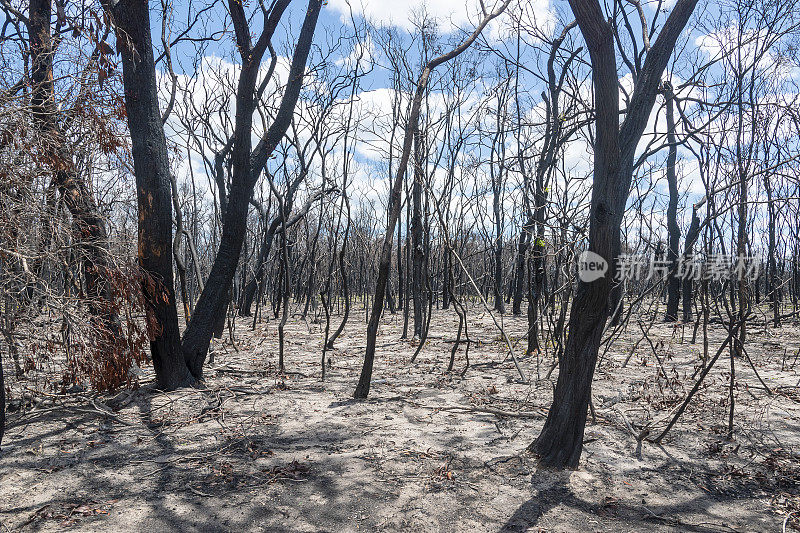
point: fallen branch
(490, 410)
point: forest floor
(429, 451)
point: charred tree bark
(247, 165)
(417, 247)
(284, 285)
(560, 442)
(153, 189)
(177, 249)
(772, 266)
(496, 173)
(497, 287)
(343, 270)
(673, 231)
(362, 389)
(447, 280)
(88, 226)
(691, 238)
(400, 279)
(519, 276)
(252, 287)
(554, 138)
(2, 403)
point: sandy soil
(429, 451)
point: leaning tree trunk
(560, 442)
(247, 165)
(362, 389)
(252, 287)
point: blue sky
(453, 19)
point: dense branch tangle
(259, 173)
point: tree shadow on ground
(551, 489)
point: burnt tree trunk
(519, 276)
(691, 238)
(554, 138)
(447, 280)
(673, 231)
(2, 403)
(417, 247)
(400, 279)
(773, 289)
(247, 165)
(497, 288)
(153, 190)
(364, 381)
(496, 171)
(560, 442)
(88, 226)
(252, 287)
(343, 269)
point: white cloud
(402, 12)
(448, 14)
(363, 54)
